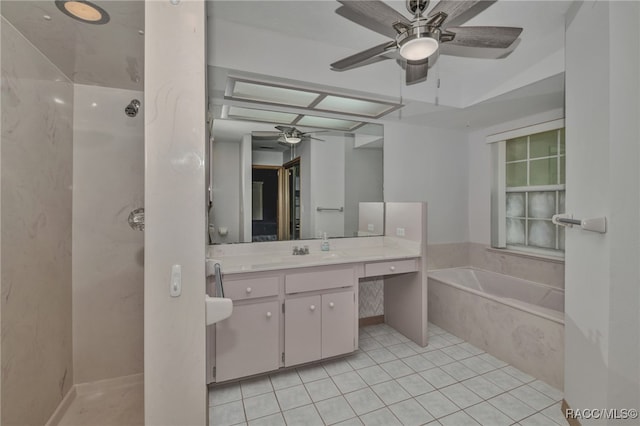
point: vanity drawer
(319, 280)
(390, 267)
(251, 288)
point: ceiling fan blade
(416, 71)
(285, 129)
(496, 37)
(316, 139)
(459, 11)
(364, 56)
(375, 11)
(366, 22)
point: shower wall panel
(108, 257)
(36, 176)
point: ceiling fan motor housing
(417, 6)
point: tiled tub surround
(521, 265)
(391, 381)
(486, 312)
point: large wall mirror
(273, 182)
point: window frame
(499, 187)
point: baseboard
(572, 421)
(62, 407)
(102, 385)
(378, 319)
(91, 387)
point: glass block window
(534, 190)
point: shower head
(132, 109)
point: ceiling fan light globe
(292, 139)
(418, 48)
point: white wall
(225, 163)
(37, 161)
(363, 180)
(108, 256)
(480, 172)
(429, 164)
(327, 177)
(175, 391)
(602, 326)
(266, 158)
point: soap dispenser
(325, 242)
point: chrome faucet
(300, 251)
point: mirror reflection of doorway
(275, 202)
(266, 200)
(292, 199)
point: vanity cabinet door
(337, 323)
(302, 330)
(248, 341)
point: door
(248, 341)
(302, 330)
(337, 323)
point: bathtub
(518, 321)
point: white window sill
(527, 254)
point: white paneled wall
(108, 256)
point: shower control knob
(312, 307)
(268, 314)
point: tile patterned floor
(392, 381)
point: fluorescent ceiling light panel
(354, 106)
(261, 115)
(328, 123)
(272, 94)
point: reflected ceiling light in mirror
(311, 99)
(329, 123)
(83, 11)
(291, 139)
(272, 94)
(252, 114)
(352, 105)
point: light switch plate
(400, 232)
(175, 286)
(370, 227)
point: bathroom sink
(217, 309)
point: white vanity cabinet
(248, 342)
(319, 326)
(284, 318)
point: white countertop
(269, 259)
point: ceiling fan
(419, 38)
(286, 134)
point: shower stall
(72, 169)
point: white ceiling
(110, 55)
(297, 40)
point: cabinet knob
(312, 307)
(268, 314)
(393, 268)
(331, 304)
(249, 290)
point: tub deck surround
(510, 325)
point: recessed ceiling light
(83, 11)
